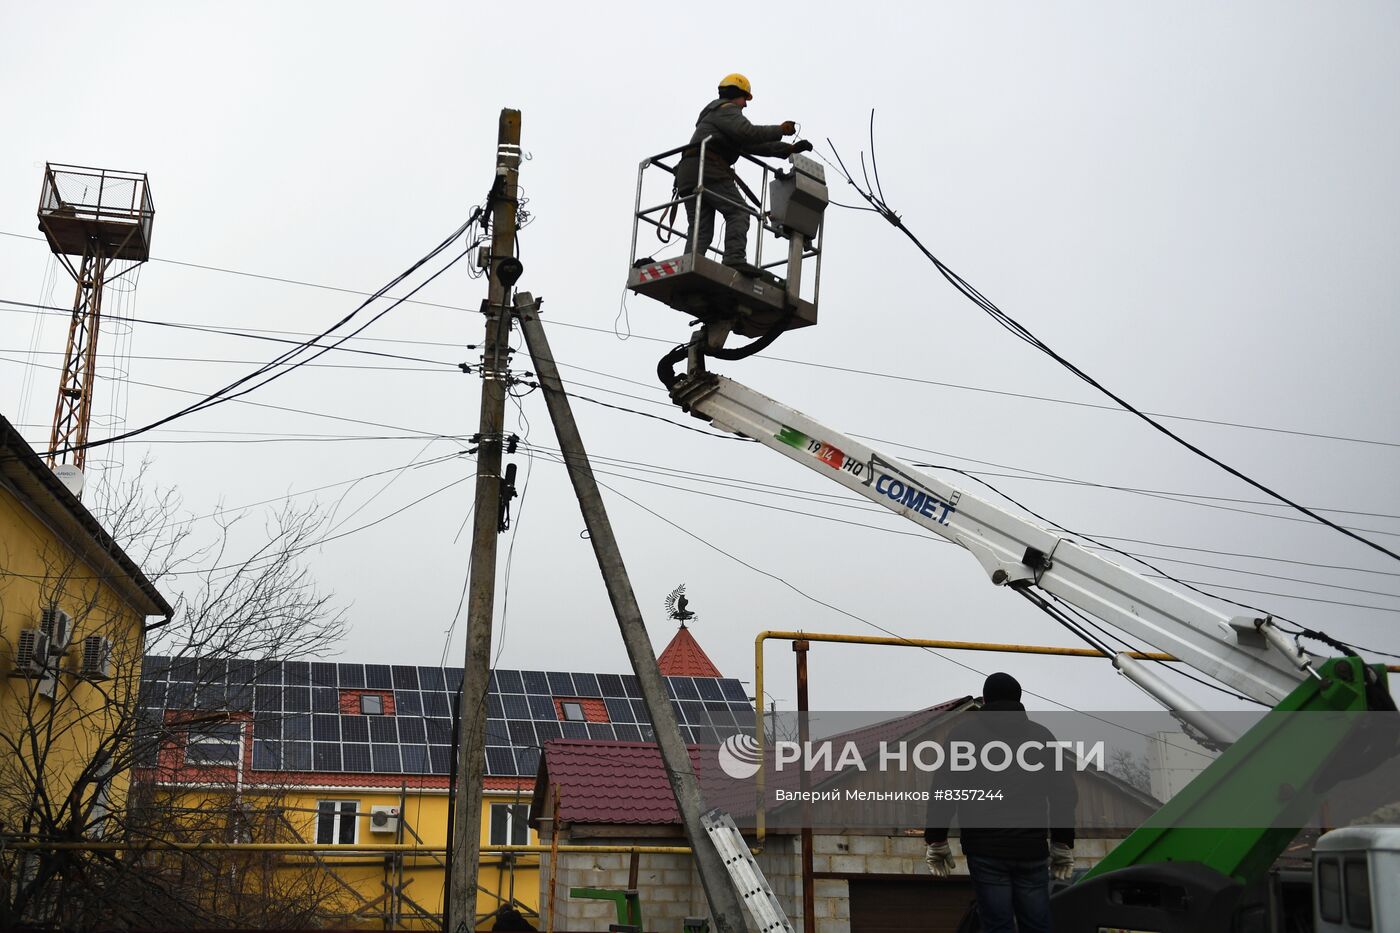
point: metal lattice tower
(103, 220)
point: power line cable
(1070, 402)
(760, 505)
(514, 533)
(248, 564)
(1198, 585)
(1327, 639)
(227, 393)
(221, 396)
(1269, 576)
(291, 440)
(872, 509)
(1035, 598)
(461, 600)
(1016, 329)
(345, 534)
(1190, 584)
(415, 464)
(814, 599)
(250, 334)
(1195, 585)
(1033, 475)
(1165, 576)
(845, 501)
(443, 365)
(771, 358)
(244, 401)
(1186, 498)
(1071, 609)
(239, 272)
(1042, 476)
(1276, 560)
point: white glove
(1061, 862)
(940, 859)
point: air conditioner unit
(97, 658)
(32, 653)
(48, 685)
(384, 819)
(58, 625)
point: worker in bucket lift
(732, 135)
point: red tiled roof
(867, 739)
(593, 710)
(350, 700)
(625, 782)
(612, 782)
(684, 657)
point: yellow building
(73, 614)
(346, 754)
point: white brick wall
(671, 891)
(868, 845)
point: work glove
(1061, 862)
(940, 859)
(788, 127)
(802, 145)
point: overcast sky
(1196, 203)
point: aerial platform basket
(714, 293)
(779, 290)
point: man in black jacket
(1004, 839)
(730, 136)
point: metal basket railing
(97, 195)
(662, 216)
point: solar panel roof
(299, 721)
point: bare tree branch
(86, 762)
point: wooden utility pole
(725, 908)
(504, 268)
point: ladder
(748, 878)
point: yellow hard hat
(739, 81)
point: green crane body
(1272, 781)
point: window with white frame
(214, 744)
(510, 824)
(337, 822)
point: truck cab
(1354, 880)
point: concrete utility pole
(725, 909)
(505, 269)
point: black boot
(744, 267)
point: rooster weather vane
(676, 606)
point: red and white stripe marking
(657, 270)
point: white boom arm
(1246, 654)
